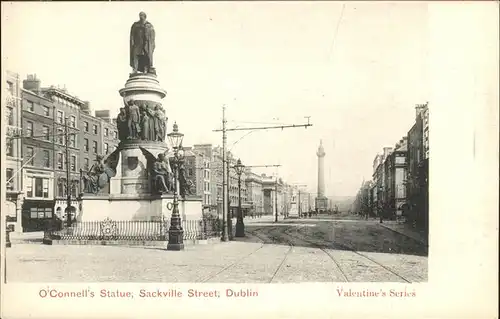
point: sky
(357, 69)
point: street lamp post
(175, 232)
(240, 226)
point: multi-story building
(395, 179)
(13, 151)
(417, 186)
(425, 127)
(198, 171)
(361, 203)
(258, 192)
(107, 130)
(233, 188)
(379, 180)
(39, 149)
(60, 137)
(209, 176)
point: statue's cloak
(142, 41)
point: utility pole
(225, 197)
(224, 131)
(300, 206)
(276, 199)
(229, 216)
(68, 164)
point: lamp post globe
(175, 232)
(175, 137)
(240, 226)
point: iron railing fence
(136, 230)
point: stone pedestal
(133, 165)
(134, 207)
(322, 203)
(143, 88)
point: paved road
(290, 251)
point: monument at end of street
(136, 181)
(321, 199)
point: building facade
(209, 178)
(395, 180)
(13, 150)
(260, 194)
(400, 180)
(60, 137)
(362, 204)
(253, 184)
(417, 186)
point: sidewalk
(233, 262)
(406, 230)
(26, 238)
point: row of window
(60, 160)
(38, 187)
(71, 119)
(46, 135)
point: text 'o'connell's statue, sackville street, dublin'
(142, 45)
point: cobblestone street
(289, 251)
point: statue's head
(122, 110)
(161, 156)
(142, 16)
(98, 158)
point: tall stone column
(321, 200)
(321, 170)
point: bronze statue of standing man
(142, 45)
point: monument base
(137, 207)
(322, 204)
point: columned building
(13, 151)
(254, 193)
(268, 191)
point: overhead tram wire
(334, 39)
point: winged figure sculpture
(160, 172)
(101, 172)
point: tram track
(273, 241)
(324, 248)
(233, 264)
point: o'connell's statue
(142, 45)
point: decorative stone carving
(139, 120)
(185, 185)
(100, 173)
(160, 172)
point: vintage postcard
(249, 159)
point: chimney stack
(85, 107)
(32, 83)
(387, 151)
